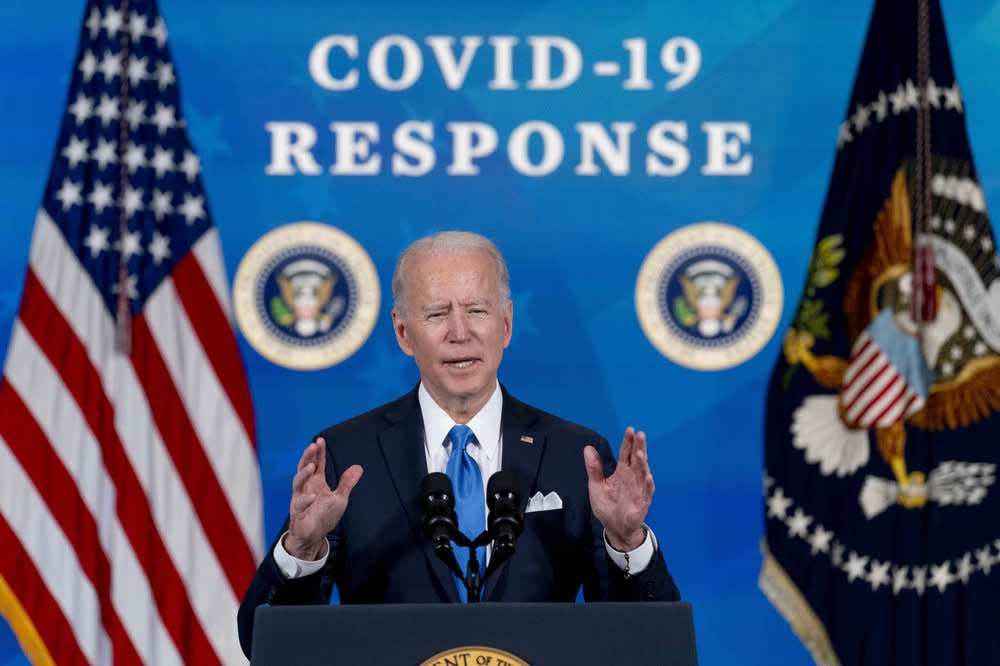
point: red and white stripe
(874, 394)
(130, 487)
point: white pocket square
(540, 502)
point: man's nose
(458, 326)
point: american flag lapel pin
(527, 439)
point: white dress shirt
(485, 425)
(486, 450)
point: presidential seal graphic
(474, 654)
(708, 296)
(306, 296)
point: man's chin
(467, 389)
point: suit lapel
(403, 450)
(523, 446)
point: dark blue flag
(882, 428)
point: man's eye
(435, 315)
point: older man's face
(456, 327)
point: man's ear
(399, 326)
(508, 322)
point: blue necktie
(470, 506)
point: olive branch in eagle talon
(280, 312)
(811, 321)
(684, 313)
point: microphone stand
(473, 581)
(471, 578)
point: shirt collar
(485, 424)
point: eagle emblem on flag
(943, 374)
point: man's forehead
(474, 289)
(433, 294)
(454, 257)
(451, 278)
(451, 271)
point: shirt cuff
(293, 567)
(635, 561)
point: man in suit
(355, 518)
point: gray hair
(447, 242)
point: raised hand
(315, 509)
(622, 500)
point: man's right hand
(315, 509)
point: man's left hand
(622, 500)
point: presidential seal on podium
(471, 655)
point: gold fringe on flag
(23, 627)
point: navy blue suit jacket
(379, 554)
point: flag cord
(923, 305)
(123, 314)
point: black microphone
(439, 520)
(504, 522)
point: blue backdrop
(574, 243)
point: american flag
(130, 505)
